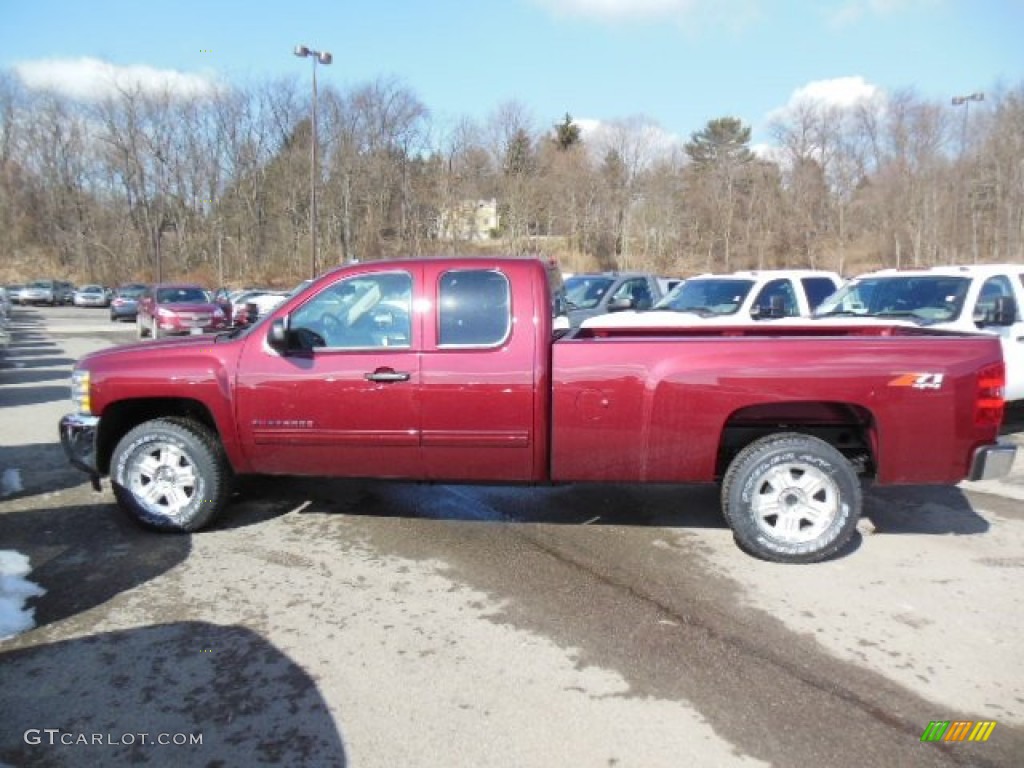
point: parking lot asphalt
(381, 624)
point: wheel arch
(849, 428)
(121, 417)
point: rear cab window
(474, 308)
(817, 289)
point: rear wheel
(171, 474)
(791, 498)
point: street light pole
(322, 57)
(165, 226)
(965, 102)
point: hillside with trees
(219, 185)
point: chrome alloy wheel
(162, 479)
(795, 503)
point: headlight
(80, 392)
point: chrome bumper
(78, 438)
(992, 461)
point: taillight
(989, 402)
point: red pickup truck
(448, 370)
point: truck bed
(663, 405)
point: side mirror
(277, 336)
(618, 305)
(776, 307)
(1004, 313)
(558, 306)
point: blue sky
(678, 63)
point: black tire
(812, 485)
(171, 474)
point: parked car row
(161, 311)
(981, 298)
(52, 292)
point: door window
(991, 290)
(359, 312)
(777, 290)
(637, 291)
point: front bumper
(992, 461)
(78, 438)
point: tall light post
(165, 226)
(322, 57)
(965, 102)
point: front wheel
(791, 498)
(171, 474)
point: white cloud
(840, 93)
(637, 139)
(91, 79)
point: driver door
(345, 402)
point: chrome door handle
(387, 376)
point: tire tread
(218, 483)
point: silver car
(91, 296)
(52, 292)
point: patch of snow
(15, 589)
(10, 482)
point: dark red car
(178, 309)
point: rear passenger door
(479, 377)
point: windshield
(707, 296)
(183, 295)
(585, 291)
(130, 293)
(45, 284)
(922, 298)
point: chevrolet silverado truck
(446, 370)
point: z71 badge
(918, 380)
